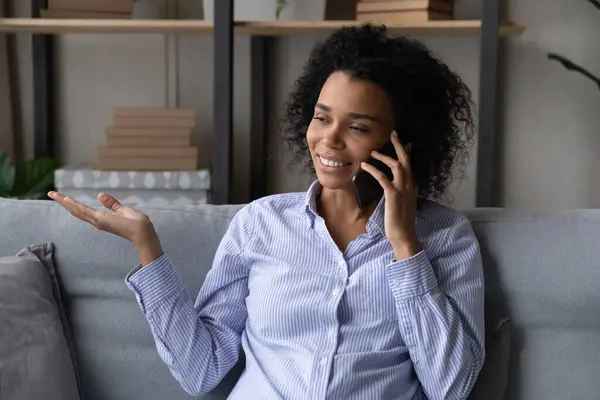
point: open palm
(123, 221)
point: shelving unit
(262, 34)
(262, 28)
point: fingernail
(395, 133)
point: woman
(329, 300)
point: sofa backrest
(542, 269)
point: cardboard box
(154, 112)
(153, 122)
(147, 164)
(146, 141)
(443, 6)
(110, 6)
(403, 17)
(76, 14)
(148, 152)
(152, 132)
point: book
(77, 14)
(153, 122)
(152, 132)
(154, 112)
(404, 5)
(403, 17)
(148, 152)
(147, 164)
(111, 6)
(146, 141)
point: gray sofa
(542, 270)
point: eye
(360, 129)
(320, 117)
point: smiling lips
(332, 163)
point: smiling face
(352, 117)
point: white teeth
(331, 163)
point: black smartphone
(366, 188)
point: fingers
(78, 210)
(378, 175)
(109, 202)
(400, 150)
(401, 168)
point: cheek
(311, 138)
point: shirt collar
(376, 221)
(310, 202)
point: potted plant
(29, 180)
(570, 65)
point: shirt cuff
(411, 277)
(154, 283)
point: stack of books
(404, 11)
(149, 139)
(93, 9)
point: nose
(333, 136)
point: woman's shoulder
(280, 201)
(437, 217)
(278, 204)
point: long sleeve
(199, 341)
(440, 304)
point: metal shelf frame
(261, 50)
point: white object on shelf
(264, 10)
(135, 188)
(90, 178)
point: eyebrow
(352, 115)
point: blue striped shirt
(315, 322)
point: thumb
(109, 202)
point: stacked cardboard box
(149, 139)
(102, 9)
(404, 11)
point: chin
(333, 183)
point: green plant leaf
(35, 176)
(7, 175)
(279, 6)
(571, 66)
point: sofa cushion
(35, 352)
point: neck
(342, 204)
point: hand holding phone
(366, 188)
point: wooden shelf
(322, 28)
(264, 28)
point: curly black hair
(432, 105)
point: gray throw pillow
(493, 379)
(36, 357)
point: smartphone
(366, 187)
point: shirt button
(335, 291)
(323, 361)
(395, 282)
(331, 332)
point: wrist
(147, 245)
(404, 249)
